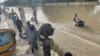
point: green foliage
(49, 1)
(11, 2)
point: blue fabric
(33, 37)
(14, 18)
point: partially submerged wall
(67, 42)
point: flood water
(63, 17)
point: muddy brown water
(63, 17)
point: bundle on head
(46, 30)
(68, 54)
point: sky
(2, 1)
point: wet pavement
(22, 47)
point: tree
(11, 2)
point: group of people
(3, 11)
(34, 35)
(16, 21)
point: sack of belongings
(79, 23)
(23, 35)
(46, 30)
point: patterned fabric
(27, 31)
(33, 38)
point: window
(4, 38)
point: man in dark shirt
(19, 25)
